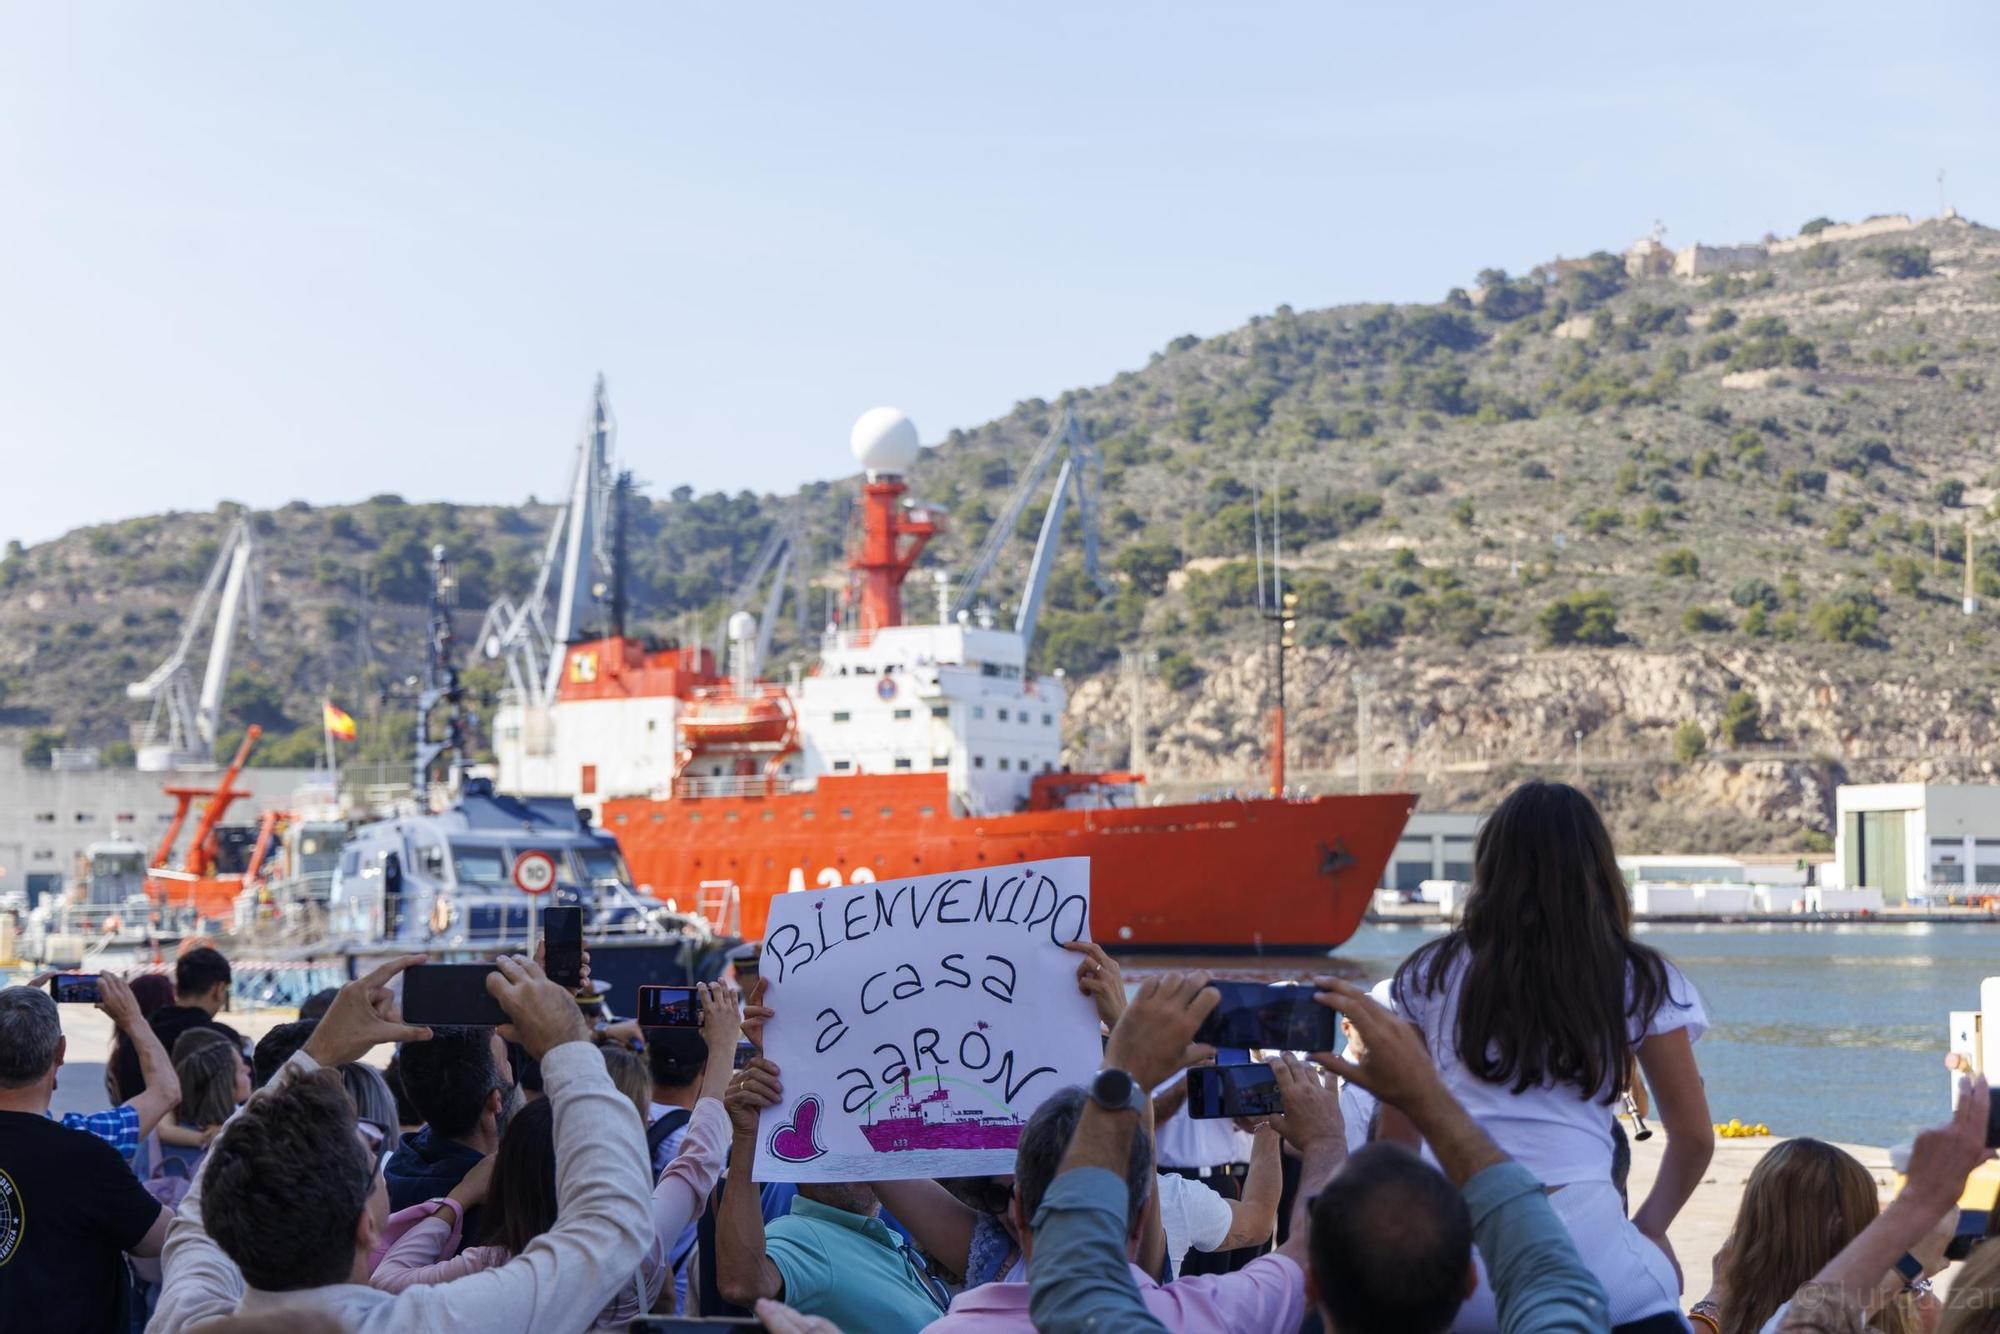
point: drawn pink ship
(931, 1122)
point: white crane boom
(183, 725)
(1079, 472)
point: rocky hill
(1701, 538)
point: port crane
(180, 733)
(782, 553)
(1080, 471)
(578, 569)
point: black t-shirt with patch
(69, 1209)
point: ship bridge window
(940, 761)
(902, 713)
(842, 716)
(1048, 720)
(1003, 715)
(989, 669)
(940, 710)
(842, 766)
(1003, 764)
(472, 864)
(601, 863)
(902, 761)
(979, 761)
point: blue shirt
(1539, 1281)
(117, 1126)
(1081, 1279)
(850, 1269)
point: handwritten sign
(921, 1022)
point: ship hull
(1242, 875)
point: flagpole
(332, 758)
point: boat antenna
(621, 492)
(441, 686)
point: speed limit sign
(534, 872)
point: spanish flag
(337, 723)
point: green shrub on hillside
(1587, 616)
(1846, 618)
(1690, 742)
(1703, 621)
(1742, 718)
(1902, 261)
(1679, 563)
(1754, 593)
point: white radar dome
(742, 626)
(884, 441)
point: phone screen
(450, 993)
(1232, 1090)
(1270, 1017)
(562, 928)
(746, 1052)
(74, 989)
(669, 1007)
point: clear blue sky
(270, 251)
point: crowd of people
(1457, 1165)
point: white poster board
(921, 1022)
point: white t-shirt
(1194, 1217)
(1553, 1131)
(1183, 1141)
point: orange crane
(195, 883)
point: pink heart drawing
(797, 1141)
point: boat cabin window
(1003, 715)
(842, 766)
(940, 710)
(474, 864)
(841, 716)
(902, 761)
(901, 713)
(427, 857)
(350, 861)
(603, 864)
(319, 849)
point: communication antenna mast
(441, 687)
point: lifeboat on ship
(713, 720)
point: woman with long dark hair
(1534, 1006)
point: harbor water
(1835, 1031)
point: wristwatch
(1116, 1091)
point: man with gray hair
(70, 1209)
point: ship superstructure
(919, 744)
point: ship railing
(720, 904)
(725, 785)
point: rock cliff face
(1460, 732)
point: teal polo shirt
(847, 1268)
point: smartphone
(1992, 1119)
(1271, 1017)
(1232, 1090)
(562, 960)
(746, 1052)
(75, 989)
(669, 1007)
(450, 993)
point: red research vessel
(912, 749)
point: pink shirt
(1267, 1293)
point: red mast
(884, 561)
(893, 537)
